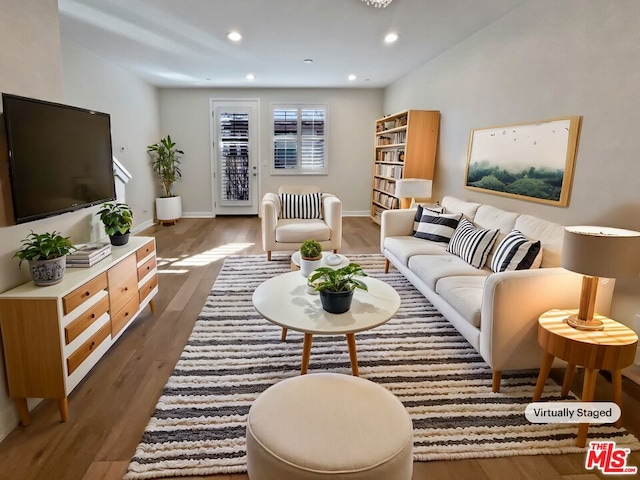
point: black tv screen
(60, 157)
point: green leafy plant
(165, 160)
(341, 280)
(310, 249)
(116, 218)
(44, 246)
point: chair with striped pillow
(298, 213)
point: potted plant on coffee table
(46, 254)
(117, 219)
(310, 256)
(165, 160)
(336, 287)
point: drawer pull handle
(87, 293)
(93, 315)
(126, 314)
(93, 344)
(148, 268)
(126, 289)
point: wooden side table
(612, 348)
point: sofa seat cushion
(403, 248)
(431, 268)
(464, 294)
(298, 230)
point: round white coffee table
(284, 300)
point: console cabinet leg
(63, 405)
(152, 306)
(23, 411)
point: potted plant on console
(46, 254)
(336, 286)
(310, 257)
(165, 160)
(117, 219)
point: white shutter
(299, 139)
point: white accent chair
(280, 234)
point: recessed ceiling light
(250, 76)
(308, 60)
(391, 37)
(234, 36)
(352, 77)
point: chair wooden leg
(495, 381)
(386, 265)
(335, 250)
(269, 256)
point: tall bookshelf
(405, 147)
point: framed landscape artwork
(530, 161)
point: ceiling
(172, 43)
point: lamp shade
(601, 251)
(413, 188)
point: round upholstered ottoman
(327, 424)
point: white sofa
(496, 312)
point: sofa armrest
(396, 223)
(512, 303)
(269, 219)
(332, 210)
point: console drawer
(81, 294)
(123, 283)
(145, 250)
(79, 356)
(120, 319)
(80, 324)
(146, 267)
(148, 287)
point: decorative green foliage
(44, 246)
(310, 249)
(116, 217)
(165, 160)
(340, 280)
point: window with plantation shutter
(299, 145)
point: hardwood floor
(109, 410)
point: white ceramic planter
(47, 272)
(308, 266)
(168, 209)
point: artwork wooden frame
(529, 161)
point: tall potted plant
(336, 286)
(117, 219)
(165, 160)
(46, 254)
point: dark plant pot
(336, 302)
(47, 272)
(119, 239)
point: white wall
(184, 114)
(542, 60)
(93, 82)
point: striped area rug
(233, 354)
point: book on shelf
(90, 250)
(86, 262)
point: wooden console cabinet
(52, 336)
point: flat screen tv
(60, 157)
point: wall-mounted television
(60, 157)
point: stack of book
(88, 254)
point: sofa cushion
(431, 268)
(472, 244)
(301, 206)
(516, 252)
(550, 235)
(437, 227)
(298, 230)
(464, 294)
(403, 248)
(455, 205)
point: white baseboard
(142, 226)
(9, 416)
(357, 213)
(197, 214)
(351, 213)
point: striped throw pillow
(516, 252)
(472, 244)
(437, 227)
(301, 206)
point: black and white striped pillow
(516, 252)
(301, 206)
(437, 227)
(472, 244)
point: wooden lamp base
(584, 319)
